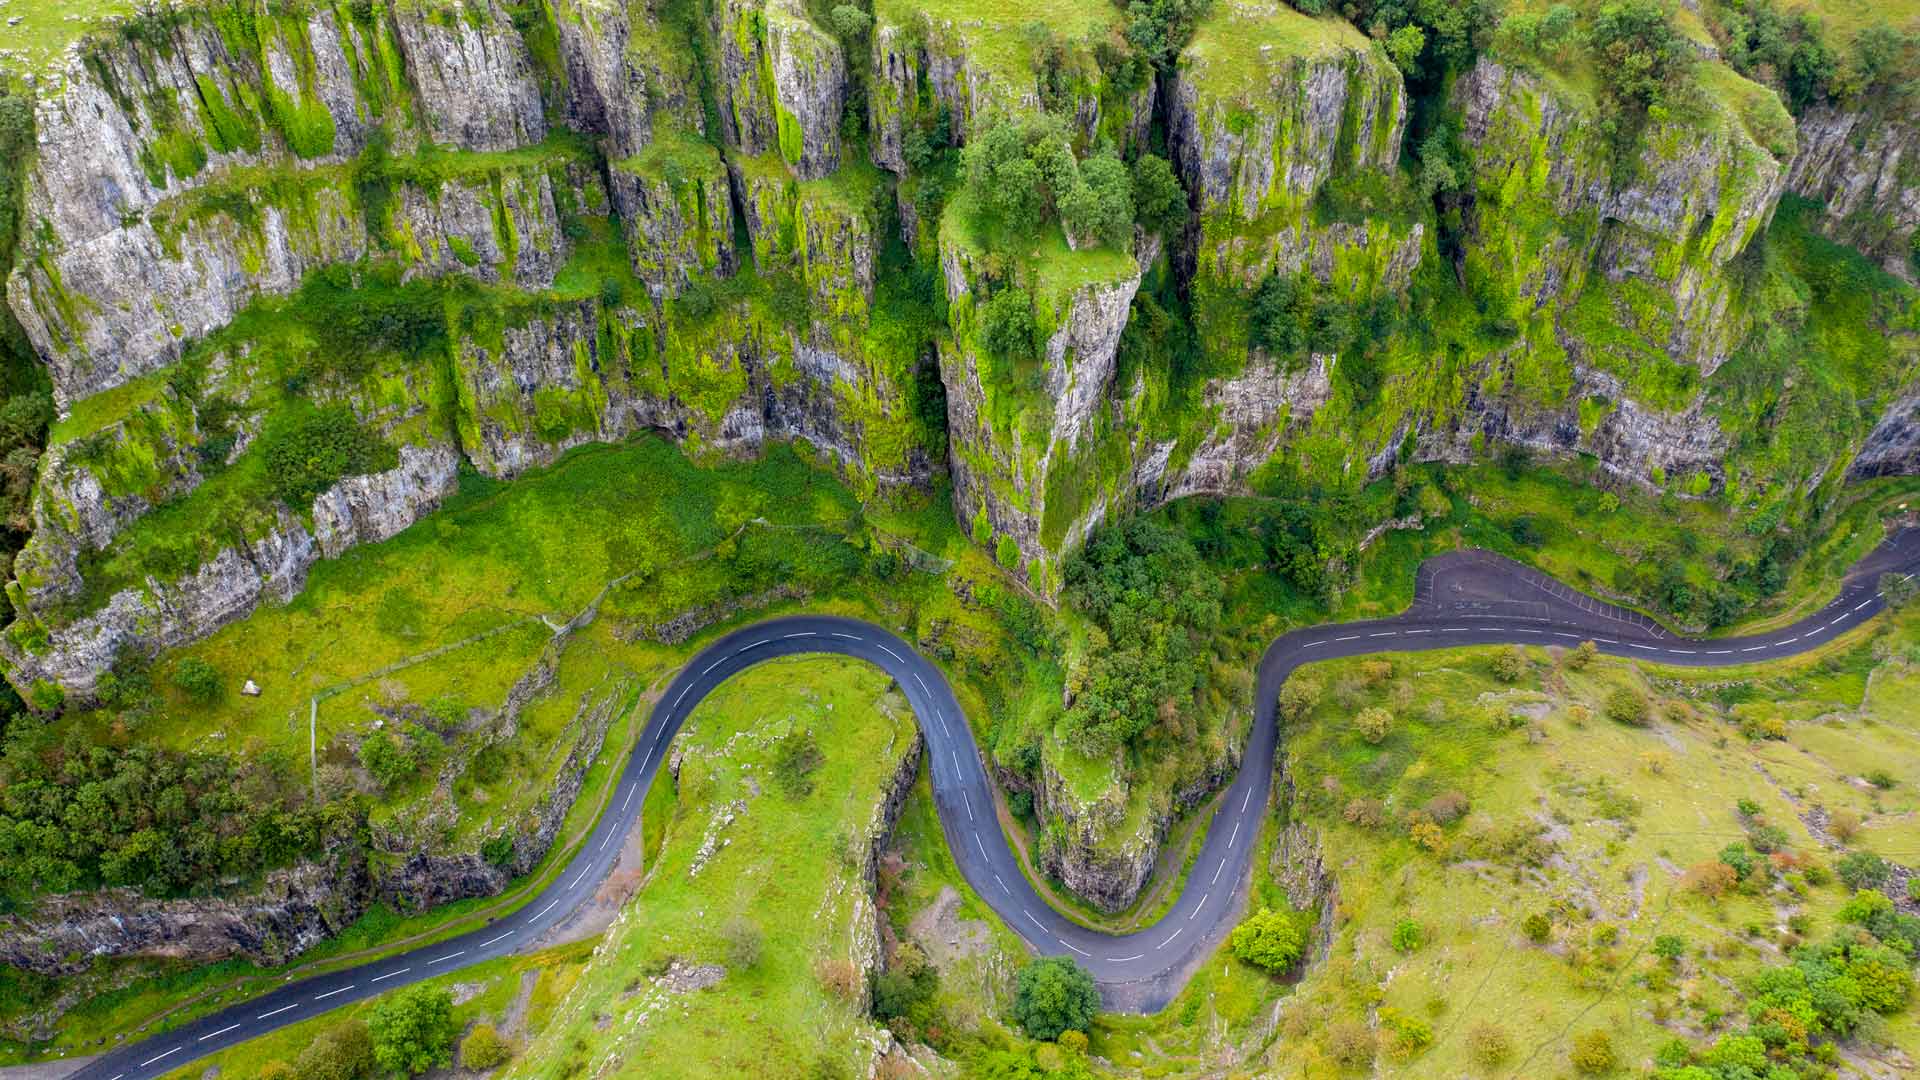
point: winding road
(1461, 598)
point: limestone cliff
(1865, 166)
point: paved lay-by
(1461, 598)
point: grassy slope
(784, 868)
(1625, 809)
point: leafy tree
(1582, 655)
(1537, 927)
(1670, 947)
(849, 23)
(1159, 200)
(1101, 204)
(1269, 940)
(1158, 29)
(1053, 994)
(1898, 590)
(1638, 52)
(341, 1052)
(483, 1049)
(307, 451)
(1007, 329)
(1404, 47)
(413, 1030)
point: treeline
(77, 814)
(1154, 607)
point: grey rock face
(130, 258)
(1274, 138)
(783, 82)
(296, 909)
(474, 76)
(1893, 447)
(1866, 168)
(1700, 190)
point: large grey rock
(473, 74)
(782, 82)
(1893, 447)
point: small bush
(1712, 879)
(1628, 706)
(1843, 824)
(308, 451)
(1299, 696)
(1352, 1044)
(1373, 724)
(1863, 870)
(198, 680)
(793, 764)
(483, 1049)
(1592, 1052)
(1582, 655)
(1537, 927)
(341, 1052)
(1366, 813)
(1448, 807)
(1407, 935)
(1509, 665)
(743, 943)
(1489, 1044)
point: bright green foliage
(1101, 204)
(483, 1048)
(1007, 329)
(341, 1052)
(413, 1030)
(1159, 200)
(1155, 605)
(1408, 935)
(1052, 995)
(1374, 724)
(1268, 939)
(390, 761)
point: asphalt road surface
(1461, 598)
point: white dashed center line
(277, 1011)
(342, 990)
(157, 1057)
(217, 1034)
(391, 974)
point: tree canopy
(1052, 995)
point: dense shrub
(794, 763)
(307, 451)
(413, 1030)
(1298, 696)
(198, 680)
(74, 814)
(1489, 1044)
(1154, 606)
(1269, 940)
(1052, 995)
(1628, 706)
(483, 1048)
(1373, 724)
(1863, 870)
(341, 1052)
(1509, 665)
(1407, 935)
(1592, 1052)
(1639, 54)
(1159, 200)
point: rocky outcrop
(1893, 447)
(1556, 216)
(1865, 166)
(782, 83)
(181, 176)
(293, 911)
(1008, 442)
(1252, 411)
(676, 210)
